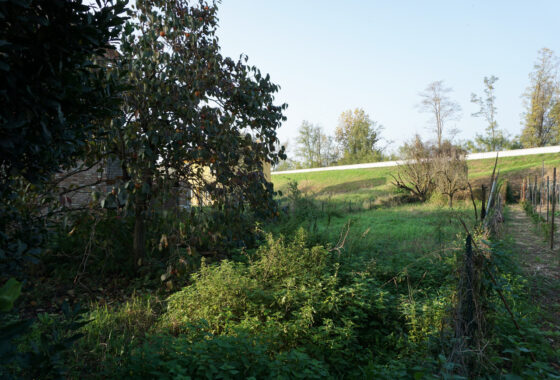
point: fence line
(471, 156)
(539, 196)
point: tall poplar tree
(494, 138)
(541, 122)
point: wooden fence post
(541, 205)
(536, 193)
(547, 196)
(483, 207)
(530, 191)
(553, 207)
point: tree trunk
(139, 245)
(450, 200)
(141, 203)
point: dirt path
(541, 265)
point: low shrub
(225, 357)
(112, 332)
(292, 296)
(39, 348)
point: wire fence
(539, 197)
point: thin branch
(473, 202)
(72, 173)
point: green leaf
(9, 293)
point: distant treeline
(357, 138)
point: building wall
(85, 182)
(103, 177)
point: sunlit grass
(360, 185)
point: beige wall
(200, 197)
(99, 182)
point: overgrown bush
(291, 296)
(417, 173)
(427, 167)
(39, 348)
(99, 242)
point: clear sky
(330, 56)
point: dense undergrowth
(323, 293)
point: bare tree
(436, 102)
(327, 149)
(308, 136)
(451, 170)
(288, 163)
(427, 168)
(416, 174)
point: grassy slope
(363, 184)
(413, 247)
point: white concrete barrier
(472, 156)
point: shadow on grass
(353, 186)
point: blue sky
(330, 56)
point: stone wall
(77, 188)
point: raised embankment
(472, 156)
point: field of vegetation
(140, 237)
(325, 291)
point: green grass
(413, 242)
(361, 185)
(414, 228)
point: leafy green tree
(494, 139)
(307, 139)
(482, 144)
(314, 147)
(358, 137)
(53, 94)
(541, 121)
(190, 115)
